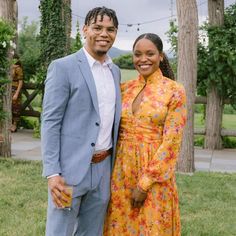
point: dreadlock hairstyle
(164, 64)
(101, 11)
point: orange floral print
(147, 150)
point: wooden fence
(202, 131)
(31, 90)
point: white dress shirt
(106, 95)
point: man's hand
(56, 185)
(138, 197)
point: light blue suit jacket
(70, 117)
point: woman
(144, 199)
(17, 83)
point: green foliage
(173, 64)
(124, 61)
(198, 140)
(229, 142)
(228, 109)
(199, 108)
(26, 123)
(172, 36)
(31, 123)
(39, 76)
(29, 48)
(52, 31)
(77, 44)
(6, 35)
(217, 60)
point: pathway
(25, 147)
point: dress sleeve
(162, 166)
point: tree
(77, 44)
(124, 61)
(187, 74)
(66, 17)
(8, 12)
(54, 30)
(214, 108)
(217, 67)
(29, 48)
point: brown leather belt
(100, 156)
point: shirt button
(97, 124)
(92, 144)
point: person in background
(17, 83)
(144, 199)
(81, 113)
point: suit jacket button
(92, 144)
(97, 124)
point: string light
(138, 24)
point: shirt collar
(92, 61)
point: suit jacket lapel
(118, 95)
(88, 76)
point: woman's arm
(162, 166)
(16, 95)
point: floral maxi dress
(147, 150)
(17, 75)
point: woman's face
(146, 57)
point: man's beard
(101, 53)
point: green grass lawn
(23, 194)
(229, 121)
(128, 75)
(207, 201)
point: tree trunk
(8, 12)
(214, 108)
(214, 113)
(187, 74)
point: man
(81, 113)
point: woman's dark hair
(164, 64)
(101, 11)
(17, 60)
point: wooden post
(187, 74)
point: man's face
(100, 36)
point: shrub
(6, 35)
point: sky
(135, 17)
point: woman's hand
(138, 197)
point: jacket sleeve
(54, 105)
(162, 166)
